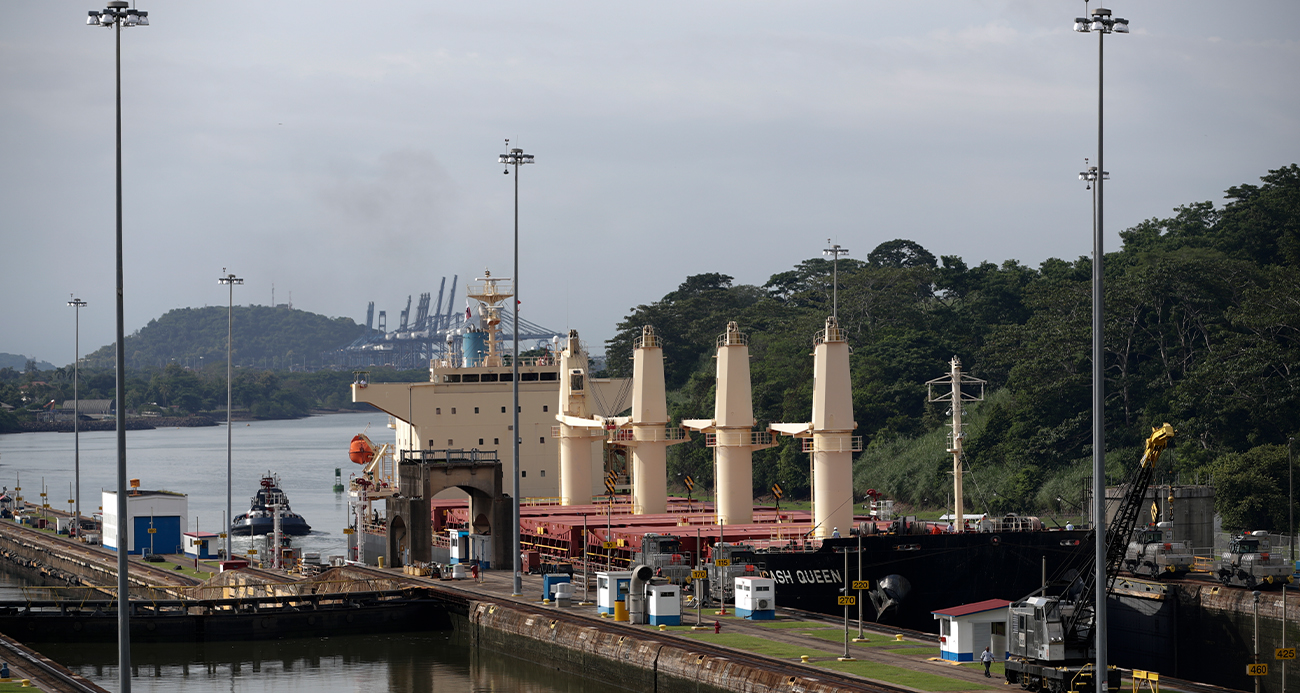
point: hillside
(264, 337)
(18, 362)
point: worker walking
(987, 658)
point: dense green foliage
(1202, 330)
(177, 390)
(264, 337)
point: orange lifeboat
(362, 451)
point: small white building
(964, 631)
(163, 512)
(756, 598)
(664, 605)
(611, 588)
(199, 544)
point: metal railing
(732, 338)
(833, 444)
(830, 334)
(647, 434)
(737, 438)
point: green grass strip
(872, 640)
(753, 644)
(16, 686)
(903, 677)
(792, 624)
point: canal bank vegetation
(1202, 330)
(177, 391)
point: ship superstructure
(466, 402)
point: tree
(1251, 489)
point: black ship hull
(911, 575)
(292, 525)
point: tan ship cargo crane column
(647, 433)
(829, 437)
(730, 433)
(577, 429)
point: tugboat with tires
(260, 518)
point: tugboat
(260, 518)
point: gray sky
(346, 152)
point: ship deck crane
(1051, 638)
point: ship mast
(490, 291)
(956, 398)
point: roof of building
(89, 406)
(977, 607)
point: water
(193, 461)
(413, 662)
(304, 453)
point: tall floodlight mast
(1101, 23)
(515, 157)
(116, 16)
(229, 280)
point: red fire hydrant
(717, 626)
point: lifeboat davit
(362, 451)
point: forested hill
(264, 337)
(1202, 330)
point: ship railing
(647, 341)
(832, 443)
(647, 434)
(450, 455)
(727, 439)
(621, 503)
(830, 334)
(377, 528)
(732, 338)
(531, 501)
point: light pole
(116, 15)
(1102, 23)
(515, 157)
(76, 304)
(230, 281)
(1290, 500)
(834, 252)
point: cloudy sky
(346, 152)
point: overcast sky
(346, 152)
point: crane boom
(1051, 638)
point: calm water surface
(193, 461)
(304, 453)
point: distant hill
(264, 337)
(18, 362)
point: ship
(912, 567)
(265, 505)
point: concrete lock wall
(623, 660)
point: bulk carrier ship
(574, 517)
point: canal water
(304, 453)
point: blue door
(166, 537)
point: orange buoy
(362, 451)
